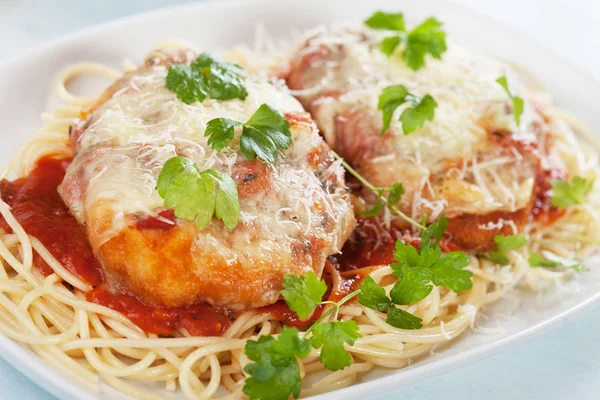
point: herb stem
(377, 190)
(336, 308)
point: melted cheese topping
(130, 137)
(450, 164)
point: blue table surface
(563, 363)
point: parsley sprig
(206, 77)
(428, 38)
(537, 260)
(194, 195)
(275, 373)
(416, 271)
(303, 294)
(567, 193)
(419, 111)
(386, 195)
(263, 134)
(517, 101)
(503, 245)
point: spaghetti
(90, 343)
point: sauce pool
(37, 206)
(198, 319)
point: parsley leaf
(188, 83)
(412, 117)
(504, 244)
(373, 296)
(425, 257)
(373, 211)
(390, 99)
(567, 193)
(389, 44)
(192, 193)
(331, 336)
(224, 79)
(495, 257)
(303, 293)
(395, 193)
(206, 77)
(275, 373)
(413, 284)
(427, 38)
(227, 207)
(263, 134)
(431, 236)
(415, 117)
(508, 243)
(387, 21)
(446, 270)
(449, 272)
(403, 319)
(536, 260)
(416, 270)
(516, 100)
(221, 132)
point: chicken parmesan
(471, 162)
(294, 213)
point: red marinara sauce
(37, 206)
(199, 319)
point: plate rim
(51, 379)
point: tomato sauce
(40, 210)
(281, 312)
(543, 211)
(198, 319)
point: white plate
(26, 84)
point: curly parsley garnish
(413, 117)
(303, 293)
(426, 38)
(263, 134)
(516, 100)
(416, 271)
(568, 193)
(536, 260)
(206, 77)
(197, 196)
(390, 195)
(275, 373)
(330, 337)
(503, 245)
